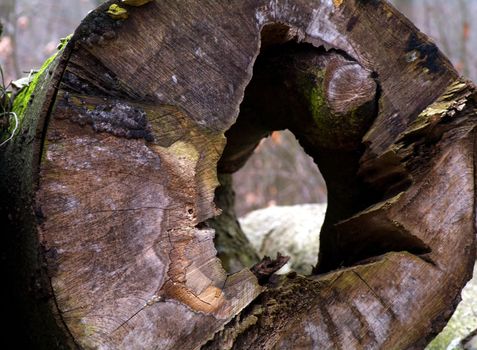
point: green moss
(332, 131)
(63, 42)
(313, 90)
(311, 86)
(22, 99)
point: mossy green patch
(332, 131)
(311, 86)
(24, 96)
(21, 101)
(313, 90)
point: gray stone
(462, 323)
(290, 230)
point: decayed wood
(116, 166)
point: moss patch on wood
(25, 95)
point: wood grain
(131, 137)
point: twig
(14, 129)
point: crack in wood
(387, 308)
(153, 300)
(366, 331)
(331, 327)
(130, 209)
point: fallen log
(109, 185)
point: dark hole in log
(276, 229)
(328, 101)
(362, 241)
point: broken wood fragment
(264, 269)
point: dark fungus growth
(428, 53)
(98, 27)
(118, 119)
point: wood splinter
(268, 266)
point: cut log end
(130, 151)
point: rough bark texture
(113, 174)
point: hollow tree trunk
(109, 185)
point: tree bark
(109, 185)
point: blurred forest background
(279, 173)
